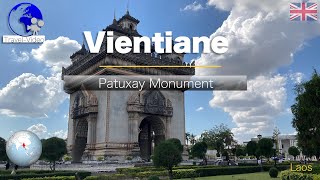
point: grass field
(251, 176)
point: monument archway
(149, 112)
(80, 140)
(84, 115)
(152, 132)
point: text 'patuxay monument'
(121, 124)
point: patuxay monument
(119, 124)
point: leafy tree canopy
(167, 155)
(306, 115)
(3, 155)
(199, 150)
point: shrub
(233, 170)
(194, 171)
(150, 173)
(53, 178)
(153, 178)
(100, 158)
(184, 173)
(247, 164)
(67, 157)
(82, 175)
(106, 177)
(273, 172)
(22, 171)
(288, 175)
(315, 169)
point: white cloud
(296, 77)
(56, 53)
(42, 132)
(261, 40)
(38, 129)
(32, 96)
(253, 111)
(199, 109)
(29, 95)
(223, 5)
(60, 134)
(195, 6)
(21, 56)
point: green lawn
(251, 176)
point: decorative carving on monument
(128, 146)
(150, 102)
(154, 102)
(85, 103)
(81, 128)
(169, 103)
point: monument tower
(121, 124)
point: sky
(274, 52)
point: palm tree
(192, 139)
(187, 137)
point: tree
(226, 155)
(275, 136)
(53, 150)
(3, 155)
(265, 146)
(218, 137)
(192, 139)
(177, 143)
(252, 147)
(306, 115)
(239, 152)
(199, 150)
(293, 151)
(188, 137)
(167, 155)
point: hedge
(177, 174)
(289, 175)
(53, 178)
(107, 177)
(144, 169)
(199, 171)
(133, 170)
(23, 171)
(202, 172)
(82, 175)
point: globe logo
(25, 19)
(24, 148)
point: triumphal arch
(119, 125)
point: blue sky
(254, 36)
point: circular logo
(25, 19)
(24, 148)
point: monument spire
(114, 16)
(128, 7)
